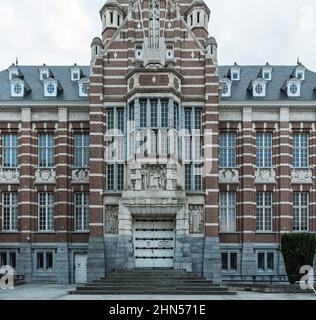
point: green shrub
(298, 249)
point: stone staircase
(151, 282)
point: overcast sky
(248, 32)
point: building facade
(154, 156)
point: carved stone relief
(196, 213)
(111, 219)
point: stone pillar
(212, 256)
(27, 195)
(62, 198)
(96, 254)
(248, 193)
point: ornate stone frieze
(196, 213)
(302, 176)
(80, 176)
(265, 176)
(9, 176)
(45, 176)
(111, 219)
(229, 176)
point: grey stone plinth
(96, 259)
(212, 263)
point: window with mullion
(115, 177)
(143, 114)
(10, 212)
(154, 113)
(227, 151)
(164, 114)
(264, 211)
(264, 150)
(82, 150)
(10, 151)
(228, 212)
(82, 205)
(46, 151)
(300, 150)
(300, 211)
(46, 212)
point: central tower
(153, 121)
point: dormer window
(45, 73)
(267, 72)
(258, 87)
(75, 73)
(235, 72)
(51, 87)
(83, 87)
(14, 72)
(300, 72)
(226, 85)
(293, 88)
(18, 88)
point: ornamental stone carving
(45, 176)
(111, 219)
(154, 177)
(80, 176)
(9, 176)
(196, 213)
(302, 176)
(229, 176)
(265, 176)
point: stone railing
(45, 176)
(302, 176)
(229, 176)
(80, 176)
(9, 176)
(265, 176)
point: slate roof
(240, 92)
(280, 74)
(31, 75)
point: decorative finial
(298, 61)
(17, 61)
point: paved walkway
(59, 292)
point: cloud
(248, 32)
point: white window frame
(81, 151)
(231, 162)
(298, 84)
(20, 83)
(298, 209)
(265, 253)
(264, 212)
(13, 151)
(82, 211)
(266, 150)
(47, 150)
(48, 213)
(227, 203)
(46, 93)
(299, 149)
(12, 212)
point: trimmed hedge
(298, 249)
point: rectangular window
(10, 212)
(8, 259)
(110, 120)
(227, 151)
(176, 116)
(187, 120)
(198, 120)
(120, 121)
(265, 261)
(154, 114)
(120, 177)
(264, 211)
(188, 177)
(115, 177)
(198, 177)
(300, 211)
(227, 212)
(110, 177)
(82, 151)
(44, 260)
(300, 150)
(82, 211)
(143, 114)
(229, 261)
(264, 150)
(164, 114)
(46, 212)
(10, 151)
(131, 112)
(46, 151)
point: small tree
(298, 249)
